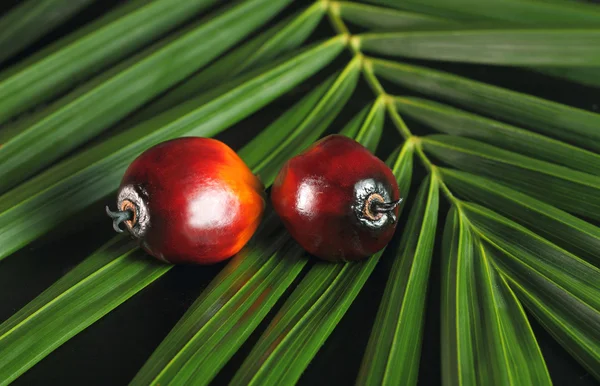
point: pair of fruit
(193, 200)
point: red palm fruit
(190, 200)
(337, 200)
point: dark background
(111, 351)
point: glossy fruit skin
(320, 196)
(202, 203)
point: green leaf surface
(97, 46)
(577, 126)
(370, 131)
(547, 47)
(568, 189)
(273, 137)
(457, 122)
(381, 19)
(550, 222)
(64, 129)
(50, 198)
(99, 284)
(486, 337)
(225, 314)
(562, 267)
(31, 20)
(303, 324)
(559, 288)
(589, 76)
(394, 349)
(307, 130)
(25, 122)
(529, 12)
(273, 275)
(313, 310)
(284, 37)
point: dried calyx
(376, 206)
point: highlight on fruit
(338, 200)
(189, 200)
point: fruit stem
(119, 217)
(384, 207)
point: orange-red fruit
(337, 200)
(190, 200)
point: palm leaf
(515, 11)
(562, 187)
(546, 278)
(29, 21)
(393, 353)
(102, 43)
(461, 123)
(585, 75)
(555, 47)
(114, 292)
(220, 320)
(103, 281)
(551, 118)
(486, 337)
(314, 308)
(512, 238)
(44, 202)
(379, 18)
(316, 121)
(29, 151)
(556, 225)
(286, 36)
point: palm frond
(528, 12)
(485, 334)
(519, 173)
(44, 202)
(31, 20)
(571, 190)
(554, 119)
(26, 152)
(394, 350)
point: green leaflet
(394, 350)
(559, 288)
(115, 257)
(47, 200)
(528, 12)
(589, 76)
(313, 310)
(379, 18)
(304, 323)
(550, 222)
(554, 119)
(275, 134)
(457, 122)
(562, 187)
(31, 20)
(556, 264)
(224, 315)
(97, 46)
(66, 128)
(21, 125)
(195, 350)
(549, 47)
(368, 129)
(486, 337)
(284, 37)
(103, 281)
(308, 129)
